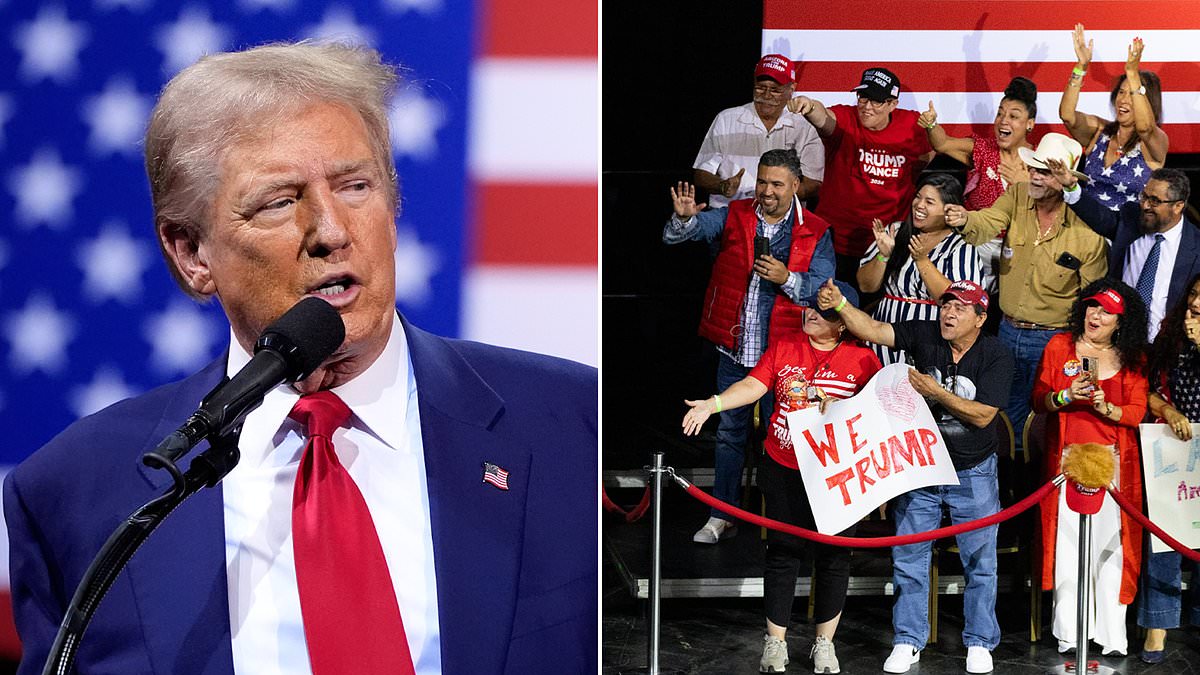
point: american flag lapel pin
(495, 475)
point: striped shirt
(906, 298)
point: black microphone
(288, 350)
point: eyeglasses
(1155, 202)
(874, 105)
(773, 92)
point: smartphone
(1089, 366)
(1069, 261)
(762, 246)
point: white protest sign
(867, 449)
(1172, 471)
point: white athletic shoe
(714, 530)
(824, 656)
(774, 656)
(979, 660)
(901, 659)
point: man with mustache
(964, 376)
(1155, 248)
(774, 253)
(739, 136)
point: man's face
(770, 96)
(1159, 212)
(301, 209)
(875, 115)
(958, 319)
(775, 189)
(1043, 184)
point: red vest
(721, 319)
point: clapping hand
(916, 248)
(885, 241)
(829, 295)
(683, 197)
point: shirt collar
(787, 217)
(1171, 236)
(379, 396)
(750, 116)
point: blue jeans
(977, 495)
(731, 435)
(1160, 598)
(1026, 345)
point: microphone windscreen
(305, 335)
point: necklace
(1095, 346)
(1043, 234)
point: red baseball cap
(1082, 499)
(965, 290)
(777, 67)
(1110, 300)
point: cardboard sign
(867, 449)
(1172, 471)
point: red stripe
(983, 14)
(1184, 137)
(536, 224)
(539, 28)
(10, 644)
(915, 76)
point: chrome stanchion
(1081, 666)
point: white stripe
(534, 120)
(551, 310)
(4, 578)
(973, 107)
(961, 46)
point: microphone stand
(206, 470)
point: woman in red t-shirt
(802, 370)
(1092, 380)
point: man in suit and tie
(415, 505)
(1155, 249)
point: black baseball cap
(878, 84)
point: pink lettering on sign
(824, 451)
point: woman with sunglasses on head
(1091, 381)
(809, 369)
(1175, 400)
(1120, 154)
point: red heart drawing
(898, 400)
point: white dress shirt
(1135, 260)
(383, 453)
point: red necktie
(351, 618)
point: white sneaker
(774, 657)
(714, 530)
(901, 659)
(824, 656)
(979, 660)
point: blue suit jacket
(1124, 226)
(516, 570)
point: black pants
(787, 501)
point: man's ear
(183, 249)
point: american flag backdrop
(496, 141)
(960, 54)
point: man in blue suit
(1155, 249)
(272, 180)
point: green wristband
(881, 257)
(840, 306)
(718, 397)
(1078, 72)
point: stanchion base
(645, 670)
(1093, 668)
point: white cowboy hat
(1054, 146)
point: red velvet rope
(632, 515)
(874, 542)
(1142, 520)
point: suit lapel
(1187, 263)
(477, 527)
(178, 576)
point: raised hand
(829, 295)
(1061, 173)
(916, 248)
(801, 105)
(928, 119)
(885, 241)
(1134, 60)
(729, 186)
(695, 418)
(683, 198)
(1083, 49)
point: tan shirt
(1034, 287)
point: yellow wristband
(840, 306)
(881, 257)
(718, 397)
